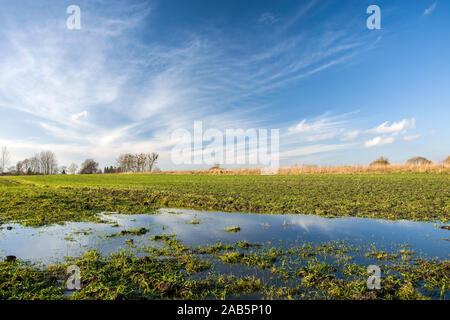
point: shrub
(381, 161)
(418, 161)
(447, 161)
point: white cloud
(409, 138)
(324, 127)
(430, 10)
(378, 141)
(385, 127)
(324, 124)
(318, 137)
(302, 127)
(82, 114)
(350, 135)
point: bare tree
(4, 160)
(140, 162)
(35, 165)
(127, 162)
(152, 158)
(12, 170)
(73, 168)
(48, 164)
(19, 168)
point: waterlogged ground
(193, 254)
(44, 200)
(196, 228)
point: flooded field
(264, 256)
(51, 244)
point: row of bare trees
(139, 162)
(46, 163)
(42, 163)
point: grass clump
(232, 229)
(134, 232)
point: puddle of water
(52, 243)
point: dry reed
(296, 170)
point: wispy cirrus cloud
(350, 135)
(313, 149)
(101, 91)
(430, 9)
(410, 138)
(267, 18)
(324, 127)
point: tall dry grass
(296, 170)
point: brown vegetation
(391, 168)
(381, 161)
(418, 161)
(447, 161)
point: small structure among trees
(418, 161)
(381, 161)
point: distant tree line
(45, 163)
(139, 162)
(42, 163)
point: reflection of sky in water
(54, 242)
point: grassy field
(40, 200)
(325, 271)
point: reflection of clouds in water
(402, 223)
(310, 222)
(49, 243)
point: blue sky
(137, 70)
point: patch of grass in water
(164, 273)
(232, 229)
(381, 255)
(135, 232)
(214, 248)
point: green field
(41, 200)
(323, 271)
